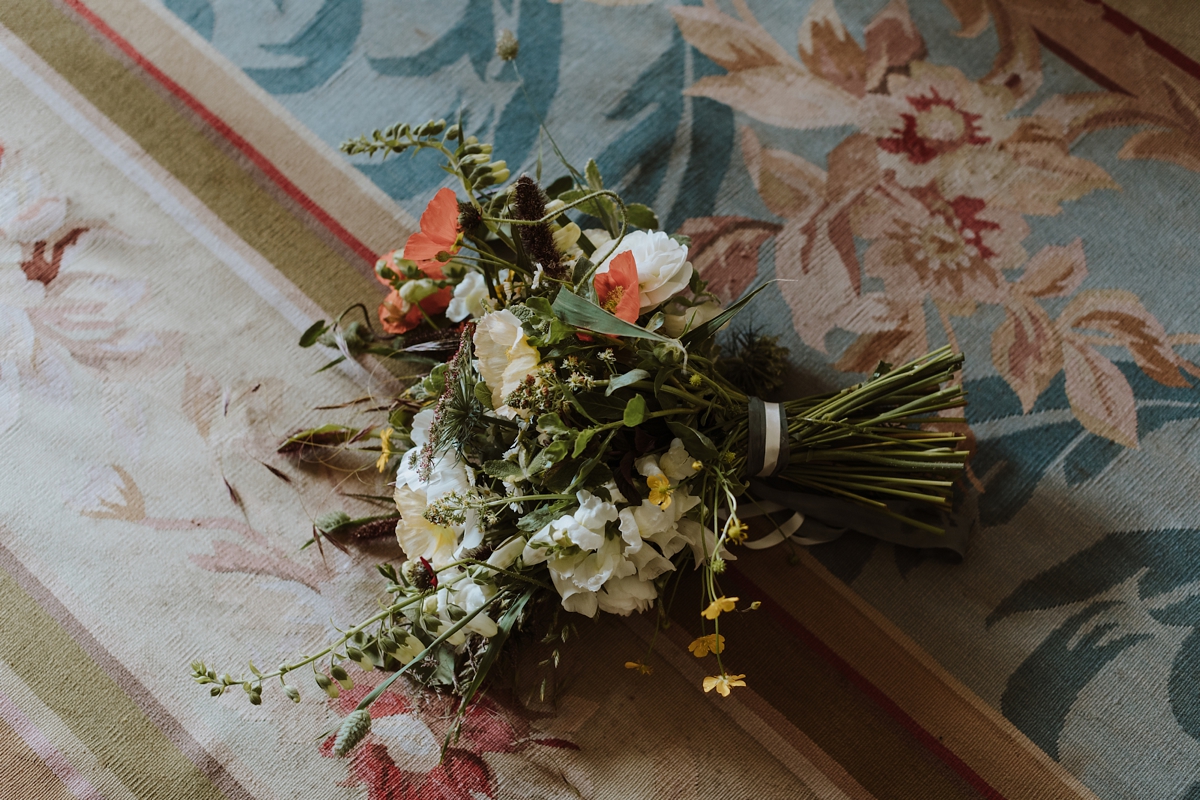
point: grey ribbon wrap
(819, 519)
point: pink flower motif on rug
(401, 756)
(937, 179)
(936, 126)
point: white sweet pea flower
(645, 558)
(625, 595)
(583, 529)
(660, 526)
(505, 356)
(677, 463)
(594, 512)
(579, 577)
(662, 265)
(504, 555)
(579, 555)
(648, 466)
(702, 540)
(566, 237)
(470, 596)
(470, 298)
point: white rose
(505, 356)
(688, 318)
(662, 265)
(470, 298)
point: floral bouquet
(579, 437)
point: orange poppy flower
(439, 231)
(400, 316)
(397, 314)
(617, 289)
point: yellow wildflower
(385, 448)
(737, 532)
(645, 669)
(723, 683)
(712, 643)
(715, 608)
(697, 466)
(660, 490)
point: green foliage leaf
(504, 627)
(483, 395)
(561, 477)
(443, 674)
(635, 411)
(551, 454)
(702, 332)
(641, 216)
(574, 310)
(599, 475)
(541, 307)
(592, 173)
(333, 363)
(582, 265)
(599, 207)
(559, 185)
(581, 441)
(663, 376)
(504, 470)
(599, 407)
(552, 424)
(695, 442)
(541, 517)
(633, 376)
(314, 331)
(323, 436)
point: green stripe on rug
(184, 147)
(96, 709)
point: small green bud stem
(455, 628)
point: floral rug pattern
(912, 174)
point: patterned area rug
(1015, 177)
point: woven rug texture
(1016, 178)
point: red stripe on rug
(881, 698)
(225, 130)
